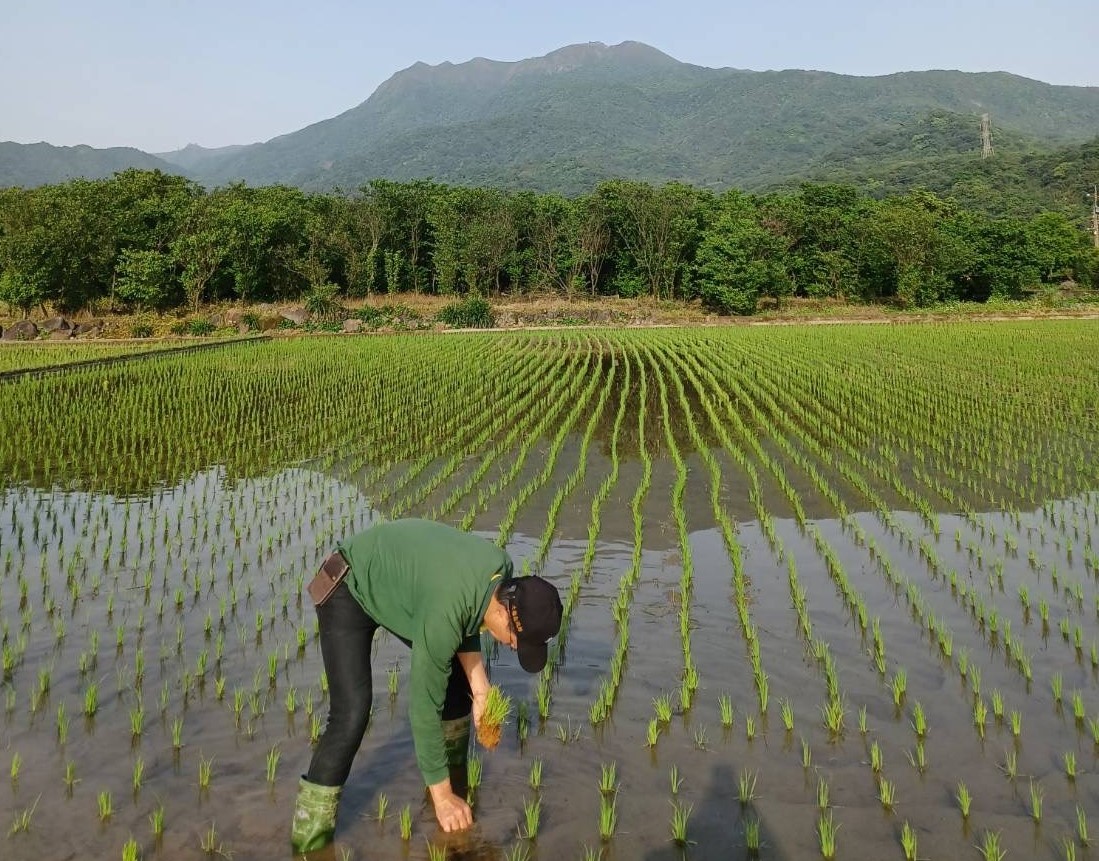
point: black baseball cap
(534, 608)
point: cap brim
(532, 656)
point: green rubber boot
(456, 743)
(314, 816)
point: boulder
(297, 316)
(24, 330)
(55, 324)
(267, 322)
(353, 325)
(233, 317)
(88, 329)
(61, 334)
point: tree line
(149, 240)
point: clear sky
(161, 73)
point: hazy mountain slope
(193, 156)
(30, 165)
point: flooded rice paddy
(830, 592)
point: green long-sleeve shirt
(429, 583)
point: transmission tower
(1095, 214)
(986, 136)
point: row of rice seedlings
(600, 708)
(579, 575)
(577, 474)
(690, 676)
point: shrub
(372, 317)
(252, 320)
(199, 326)
(322, 304)
(141, 329)
(471, 313)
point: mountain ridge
(591, 111)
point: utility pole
(986, 136)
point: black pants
(346, 632)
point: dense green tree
(739, 259)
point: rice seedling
(105, 805)
(749, 727)
(1082, 826)
(1011, 764)
(608, 780)
(875, 757)
(404, 819)
(156, 821)
(919, 720)
(823, 793)
(918, 757)
(989, 847)
(70, 776)
(1078, 711)
(681, 814)
(1056, 684)
(21, 823)
(675, 779)
(964, 799)
(474, 768)
(608, 815)
(826, 833)
(862, 720)
(725, 708)
(663, 706)
(980, 716)
(535, 776)
(832, 714)
(16, 767)
(899, 686)
(908, 842)
(209, 842)
(1036, 797)
(205, 772)
(746, 787)
(787, 715)
(887, 793)
(806, 755)
(751, 835)
(138, 775)
(700, 737)
(1068, 758)
(652, 733)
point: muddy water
(92, 582)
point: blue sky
(161, 73)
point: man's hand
(451, 811)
